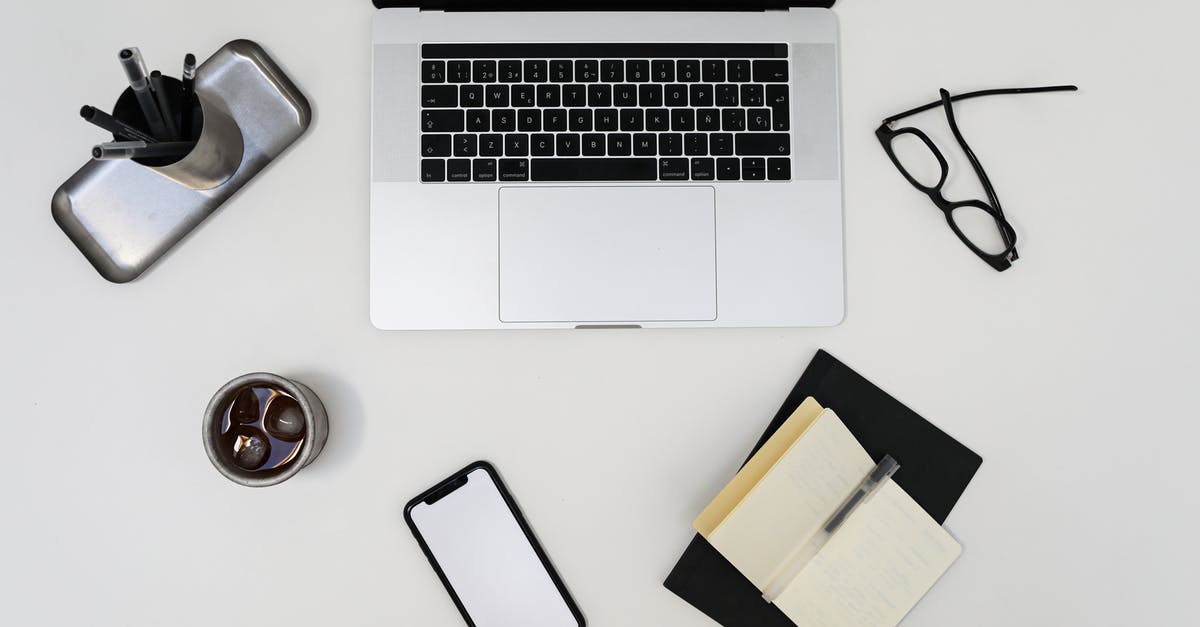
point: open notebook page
(792, 500)
(875, 568)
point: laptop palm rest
(607, 254)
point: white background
(1073, 374)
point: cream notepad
(875, 567)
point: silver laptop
(606, 168)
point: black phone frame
(440, 491)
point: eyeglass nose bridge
(887, 136)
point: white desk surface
(1073, 374)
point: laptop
(635, 164)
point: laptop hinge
(609, 5)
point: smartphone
(486, 555)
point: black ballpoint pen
(141, 150)
(164, 104)
(189, 91)
(131, 61)
(118, 128)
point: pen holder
(219, 145)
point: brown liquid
(258, 418)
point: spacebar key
(594, 170)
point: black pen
(189, 90)
(141, 150)
(135, 69)
(118, 128)
(164, 104)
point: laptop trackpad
(607, 254)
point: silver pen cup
(219, 144)
(260, 429)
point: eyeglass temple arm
(977, 94)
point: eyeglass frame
(886, 134)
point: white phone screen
(491, 565)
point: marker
(135, 69)
(164, 104)
(118, 128)
(141, 150)
(189, 90)
(802, 555)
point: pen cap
(134, 66)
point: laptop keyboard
(604, 112)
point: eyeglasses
(980, 225)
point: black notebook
(935, 472)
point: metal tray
(125, 217)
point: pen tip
(96, 152)
(189, 59)
(126, 53)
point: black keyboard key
(708, 119)
(770, 71)
(720, 144)
(466, 145)
(739, 71)
(504, 120)
(637, 71)
(458, 170)
(514, 169)
(568, 144)
(483, 71)
(607, 120)
(650, 96)
(593, 144)
(496, 95)
(470, 96)
(510, 71)
(436, 145)
(554, 120)
(645, 144)
(610, 169)
(781, 108)
(458, 71)
(701, 95)
(484, 170)
(600, 95)
(516, 145)
(549, 95)
(676, 95)
(762, 144)
(479, 121)
(491, 145)
(620, 145)
(752, 96)
(574, 96)
(673, 169)
(758, 119)
(683, 119)
(633, 120)
(529, 120)
(433, 71)
(439, 96)
(754, 169)
(579, 120)
(587, 71)
(625, 96)
(433, 170)
(727, 95)
(535, 72)
(541, 145)
(704, 169)
(443, 121)
(612, 71)
(662, 71)
(781, 119)
(524, 96)
(695, 144)
(779, 169)
(733, 119)
(658, 120)
(713, 71)
(729, 169)
(670, 144)
(561, 71)
(688, 71)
